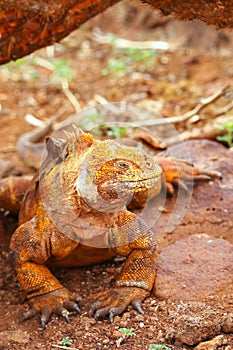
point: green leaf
(159, 347)
(66, 341)
(128, 332)
(117, 132)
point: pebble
(227, 324)
(139, 318)
(106, 341)
(211, 344)
(123, 324)
(116, 334)
(116, 319)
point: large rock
(194, 268)
(208, 208)
(195, 322)
(195, 276)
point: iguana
(75, 213)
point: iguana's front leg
(176, 170)
(30, 250)
(138, 274)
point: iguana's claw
(177, 170)
(59, 302)
(114, 301)
(29, 314)
(209, 174)
(137, 305)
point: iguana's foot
(60, 302)
(177, 170)
(114, 301)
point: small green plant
(128, 61)
(117, 132)
(103, 129)
(89, 121)
(61, 70)
(62, 74)
(66, 341)
(139, 55)
(228, 136)
(159, 347)
(117, 68)
(127, 332)
(23, 68)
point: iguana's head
(125, 170)
(107, 174)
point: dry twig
(207, 131)
(183, 117)
(64, 84)
(64, 347)
(224, 109)
(121, 43)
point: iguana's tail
(12, 191)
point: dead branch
(224, 109)
(48, 22)
(208, 131)
(63, 347)
(121, 43)
(183, 117)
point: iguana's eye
(122, 164)
(149, 164)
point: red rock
(195, 267)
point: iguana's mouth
(143, 183)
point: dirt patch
(173, 82)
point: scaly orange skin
(39, 241)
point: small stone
(153, 319)
(139, 318)
(116, 319)
(92, 321)
(160, 334)
(227, 323)
(169, 336)
(211, 344)
(150, 335)
(125, 316)
(123, 324)
(116, 334)
(106, 341)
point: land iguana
(75, 213)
